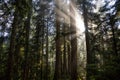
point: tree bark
(26, 53)
(74, 74)
(112, 22)
(47, 70)
(64, 53)
(57, 74)
(9, 74)
(87, 40)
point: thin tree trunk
(42, 46)
(69, 59)
(64, 53)
(38, 48)
(1, 43)
(113, 35)
(47, 70)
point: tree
(9, 73)
(57, 74)
(73, 61)
(87, 39)
(27, 30)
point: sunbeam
(63, 11)
(79, 23)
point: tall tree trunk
(112, 22)
(42, 49)
(10, 64)
(57, 74)
(47, 70)
(17, 57)
(64, 53)
(69, 59)
(26, 54)
(69, 47)
(87, 40)
(58, 53)
(38, 49)
(74, 74)
(1, 43)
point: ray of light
(62, 11)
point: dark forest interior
(59, 39)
